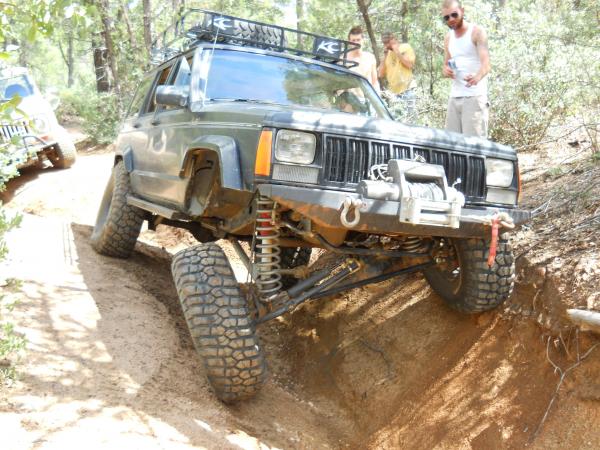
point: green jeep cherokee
(261, 134)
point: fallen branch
(587, 320)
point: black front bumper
(324, 207)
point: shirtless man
(467, 62)
(367, 66)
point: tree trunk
(404, 26)
(147, 7)
(300, 19)
(24, 53)
(68, 56)
(497, 8)
(363, 7)
(125, 10)
(110, 48)
(102, 81)
(70, 59)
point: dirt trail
(110, 362)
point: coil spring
(267, 254)
(412, 244)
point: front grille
(8, 131)
(347, 161)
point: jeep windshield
(251, 77)
(19, 85)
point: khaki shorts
(468, 115)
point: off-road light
(295, 147)
(499, 172)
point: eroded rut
(110, 360)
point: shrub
(97, 112)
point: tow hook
(351, 204)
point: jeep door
(156, 174)
(133, 138)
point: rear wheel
(219, 321)
(464, 279)
(118, 224)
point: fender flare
(127, 156)
(228, 156)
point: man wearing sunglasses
(467, 62)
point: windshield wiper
(242, 100)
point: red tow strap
(494, 242)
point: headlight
(295, 147)
(499, 172)
(40, 124)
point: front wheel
(219, 321)
(118, 224)
(464, 279)
(65, 153)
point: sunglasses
(454, 15)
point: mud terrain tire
(219, 321)
(66, 154)
(270, 36)
(476, 287)
(118, 224)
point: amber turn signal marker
(263, 154)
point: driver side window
(163, 76)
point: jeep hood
(34, 106)
(387, 130)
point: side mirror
(172, 96)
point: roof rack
(199, 25)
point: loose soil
(110, 364)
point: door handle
(155, 122)
(137, 125)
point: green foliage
(98, 113)
(555, 172)
(12, 344)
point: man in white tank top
(467, 62)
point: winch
(420, 188)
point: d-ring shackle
(351, 204)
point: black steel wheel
(219, 321)
(464, 279)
